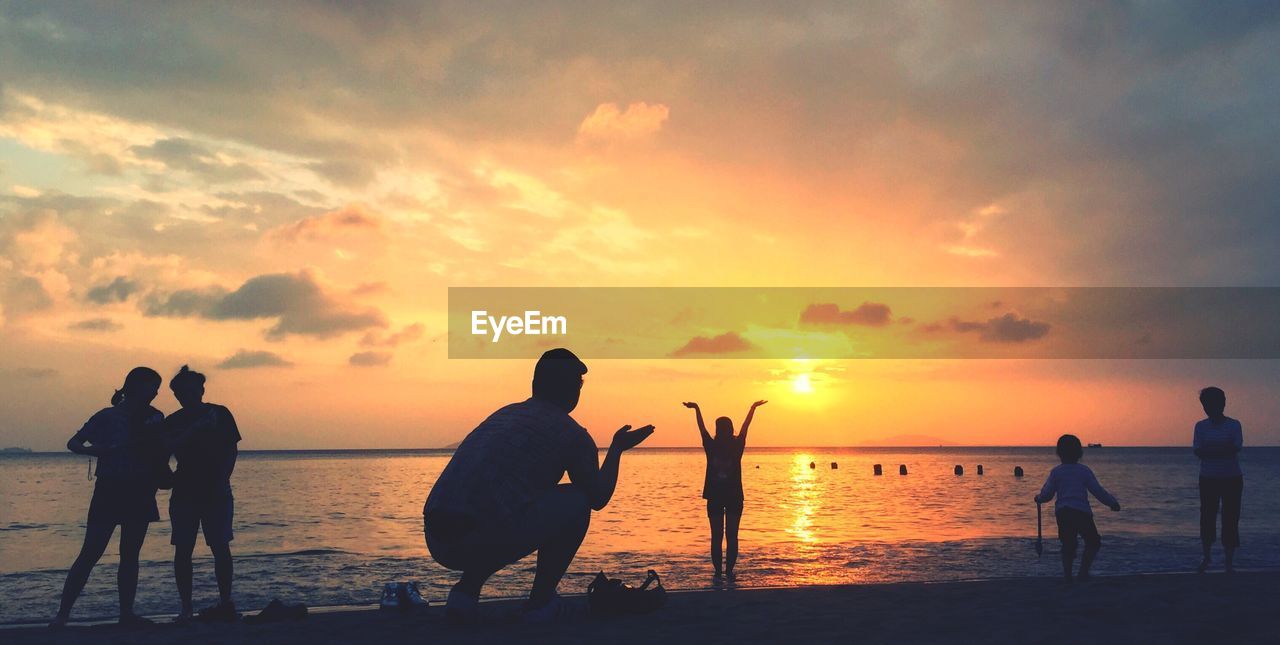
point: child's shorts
(1073, 522)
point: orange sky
(281, 199)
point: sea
(330, 528)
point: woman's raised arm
(702, 427)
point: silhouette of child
(1072, 482)
(1217, 441)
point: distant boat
(15, 451)
(1095, 445)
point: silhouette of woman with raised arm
(125, 438)
(722, 486)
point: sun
(801, 384)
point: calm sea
(328, 528)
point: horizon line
(23, 451)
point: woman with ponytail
(124, 438)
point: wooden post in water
(1017, 471)
(877, 470)
(834, 465)
(813, 464)
(959, 469)
(979, 469)
(902, 469)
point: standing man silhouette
(203, 436)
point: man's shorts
(463, 543)
(190, 513)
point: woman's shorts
(117, 502)
(727, 506)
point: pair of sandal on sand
(606, 597)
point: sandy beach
(1178, 608)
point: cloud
(35, 372)
(378, 339)
(118, 290)
(24, 293)
(970, 228)
(296, 300)
(369, 288)
(245, 359)
(96, 324)
(609, 123)
(183, 303)
(369, 359)
(177, 153)
(1009, 328)
(869, 314)
(344, 221)
(345, 173)
(726, 343)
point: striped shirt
(1208, 434)
(514, 455)
(1072, 484)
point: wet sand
(1178, 608)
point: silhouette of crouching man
(499, 498)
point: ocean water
(329, 528)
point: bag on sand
(610, 597)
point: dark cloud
(189, 156)
(118, 290)
(23, 294)
(869, 314)
(378, 339)
(370, 359)
(726, 343)
(296, 300)
(1009, 328)
(96, 324)
(245, 359)
(183, 303)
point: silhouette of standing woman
(125, 439)
(722, 487)
(1217, 441)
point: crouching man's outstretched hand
(626, 438)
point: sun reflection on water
(804, 497)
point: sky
(281, 194)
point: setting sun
(801, 384)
